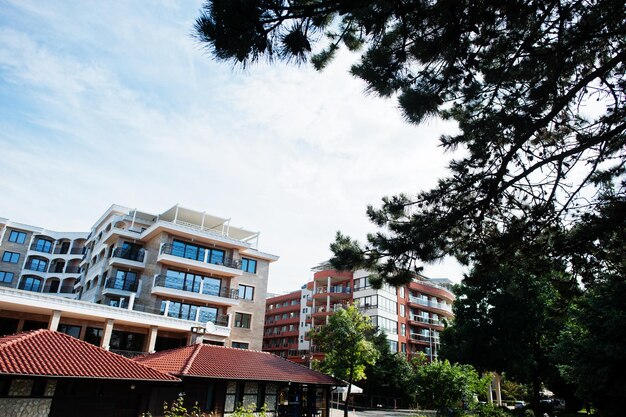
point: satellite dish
(210, 327)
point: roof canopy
(220, 362)
(47, 353)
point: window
(197, 253)
(93, 336)
(248, 265)
(10, 257)
(212, 286)
(393, 346)
(43, 245)
(40, 265)
(403, 329)
(31, 284)
(240, 345)
(73, 331)
(242, 320)
(6, 276)
(17, 237)
(180, 310)
(124, 280)
(383, 323)
(246, 292)
(402, 310)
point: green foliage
(441, 385)
(512, 390)
(508, 317)
(249, 411)
(540, 187)
(511, 74)
(177, 409)
(592, 348)
(392, 375)
(347, 346)
(489, 410)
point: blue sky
(115, 102)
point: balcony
(426, 320)
(118, 286)
(72, 269)
(429, 303)
(175, 287)
(225, 266)
(418, 337)
(333, 292)
(38, 267)
(128, 257)
(42, 248)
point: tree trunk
(345, 405)
(536, 389)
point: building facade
(40, 260)
(411, 316)
(147, 282)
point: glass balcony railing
(130, 254)
(121, 284)
(168, 249)
(195, 286)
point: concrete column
(20, 326)
(131, 301)
(53, 323)
(83, 332)
(106, 335)
(490, 393)
(151, 339)
(498, 379)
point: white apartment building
(147, 282)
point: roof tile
(229, 363)
(47, 353)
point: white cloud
(117, 103)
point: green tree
(508, 317)
(347, 346)
(592, 348)
(392, 374)
(513, 74)
(517, 77)
(442, 385)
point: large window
(197, 253)
(248, 265)
(190, 311)
(31, 284)
(35, 264)
(208, 314)
(246, 292)
(123, 280)
(126, 341)
(243, 320)
(73, 331)
(17, 237)
(6, 276)
(43, 245)
(10, 257)
(212, 286)
(383, 323)
(187, 281)
(240, 345)
(181, 310)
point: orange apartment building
(412, 316)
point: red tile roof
(47, 353)
(229, 363)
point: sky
(116, 102)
